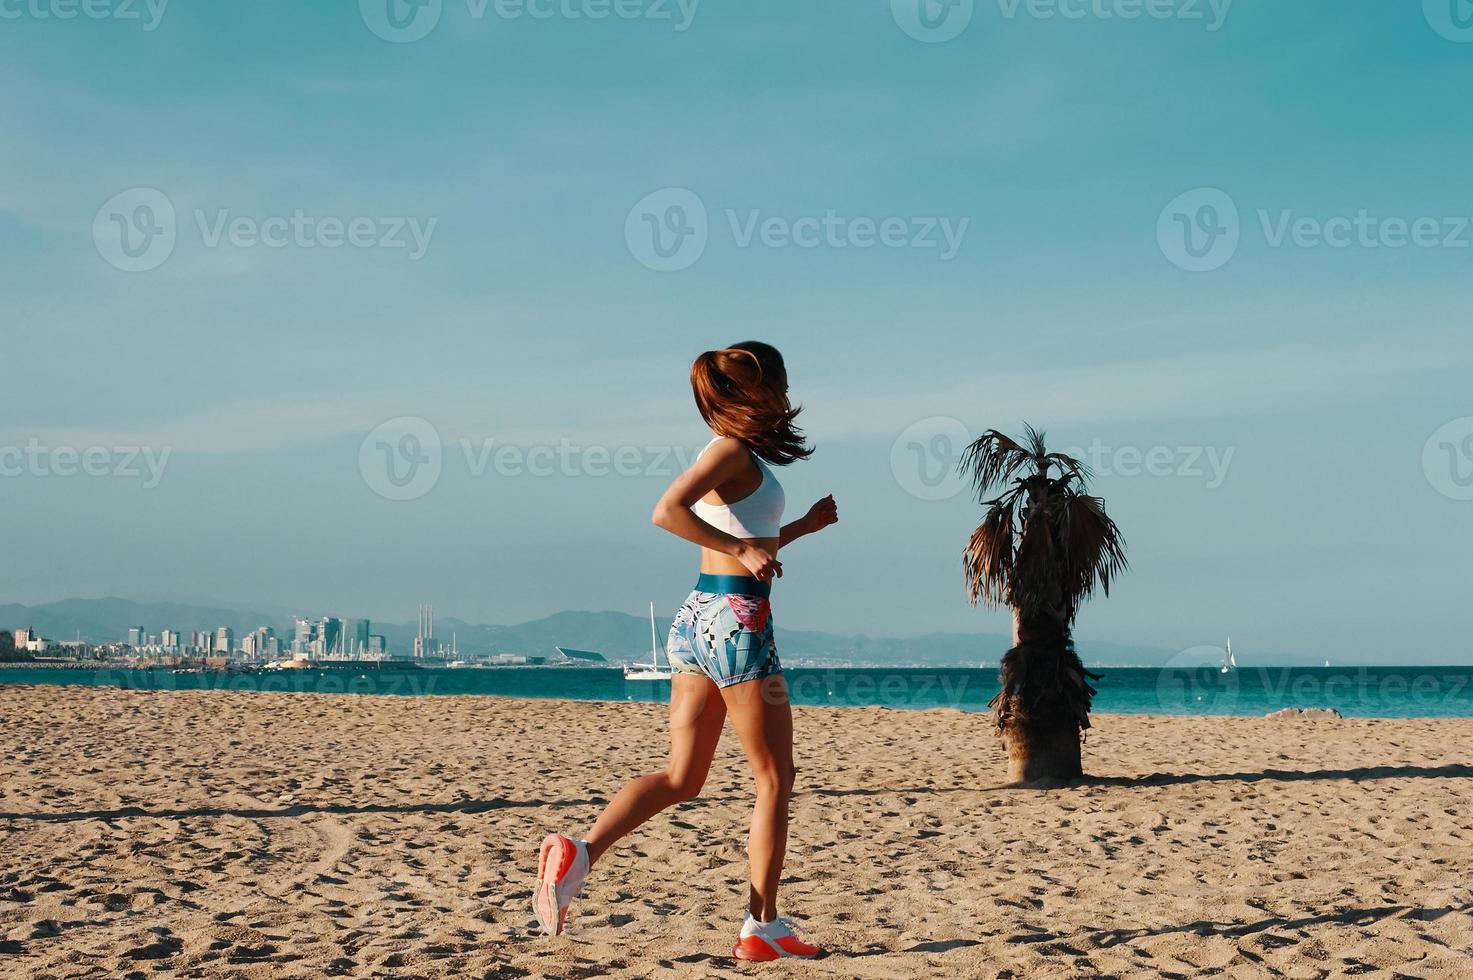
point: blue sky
(519, 147)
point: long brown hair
(742, 392)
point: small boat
(1229, 662)
(651, 671)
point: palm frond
(1036, 441)
(1068, 464)
(1044, 544)
(1094, 547)
(988, 557)
(992, 461)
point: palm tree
(1043, 547)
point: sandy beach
(202, 834)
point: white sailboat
(1229, 662)
(651, 671)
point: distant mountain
(108, 620)
(617, 635)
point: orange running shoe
(763, 941)
(561, 867)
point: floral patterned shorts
(724, 631)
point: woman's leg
(761, 716)
(696, 716)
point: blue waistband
(733, 585)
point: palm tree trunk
(1044, 703)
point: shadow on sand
(483, 806)
(298, 810)
(1345, 917)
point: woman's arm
(721, 462)
(819, 516)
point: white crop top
(757, 515)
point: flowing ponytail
(742, 392)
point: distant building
(137, 637)
(584, 655)
(377, 644)
(424, 640)
(35, 643)
(507, 659)
(260, 642)
(302, 639)
(330, 637)
(28, 640)
(357, 637)
(225, 641)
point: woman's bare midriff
(716, 563)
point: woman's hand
(762, 563)
(822, 514)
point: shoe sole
(741, 953)
(768, 954)
(553, 861)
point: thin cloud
(1197, 386)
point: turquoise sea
(1376, 692)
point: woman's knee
(775, 779)
(685, 786)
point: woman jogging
(721, 643)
